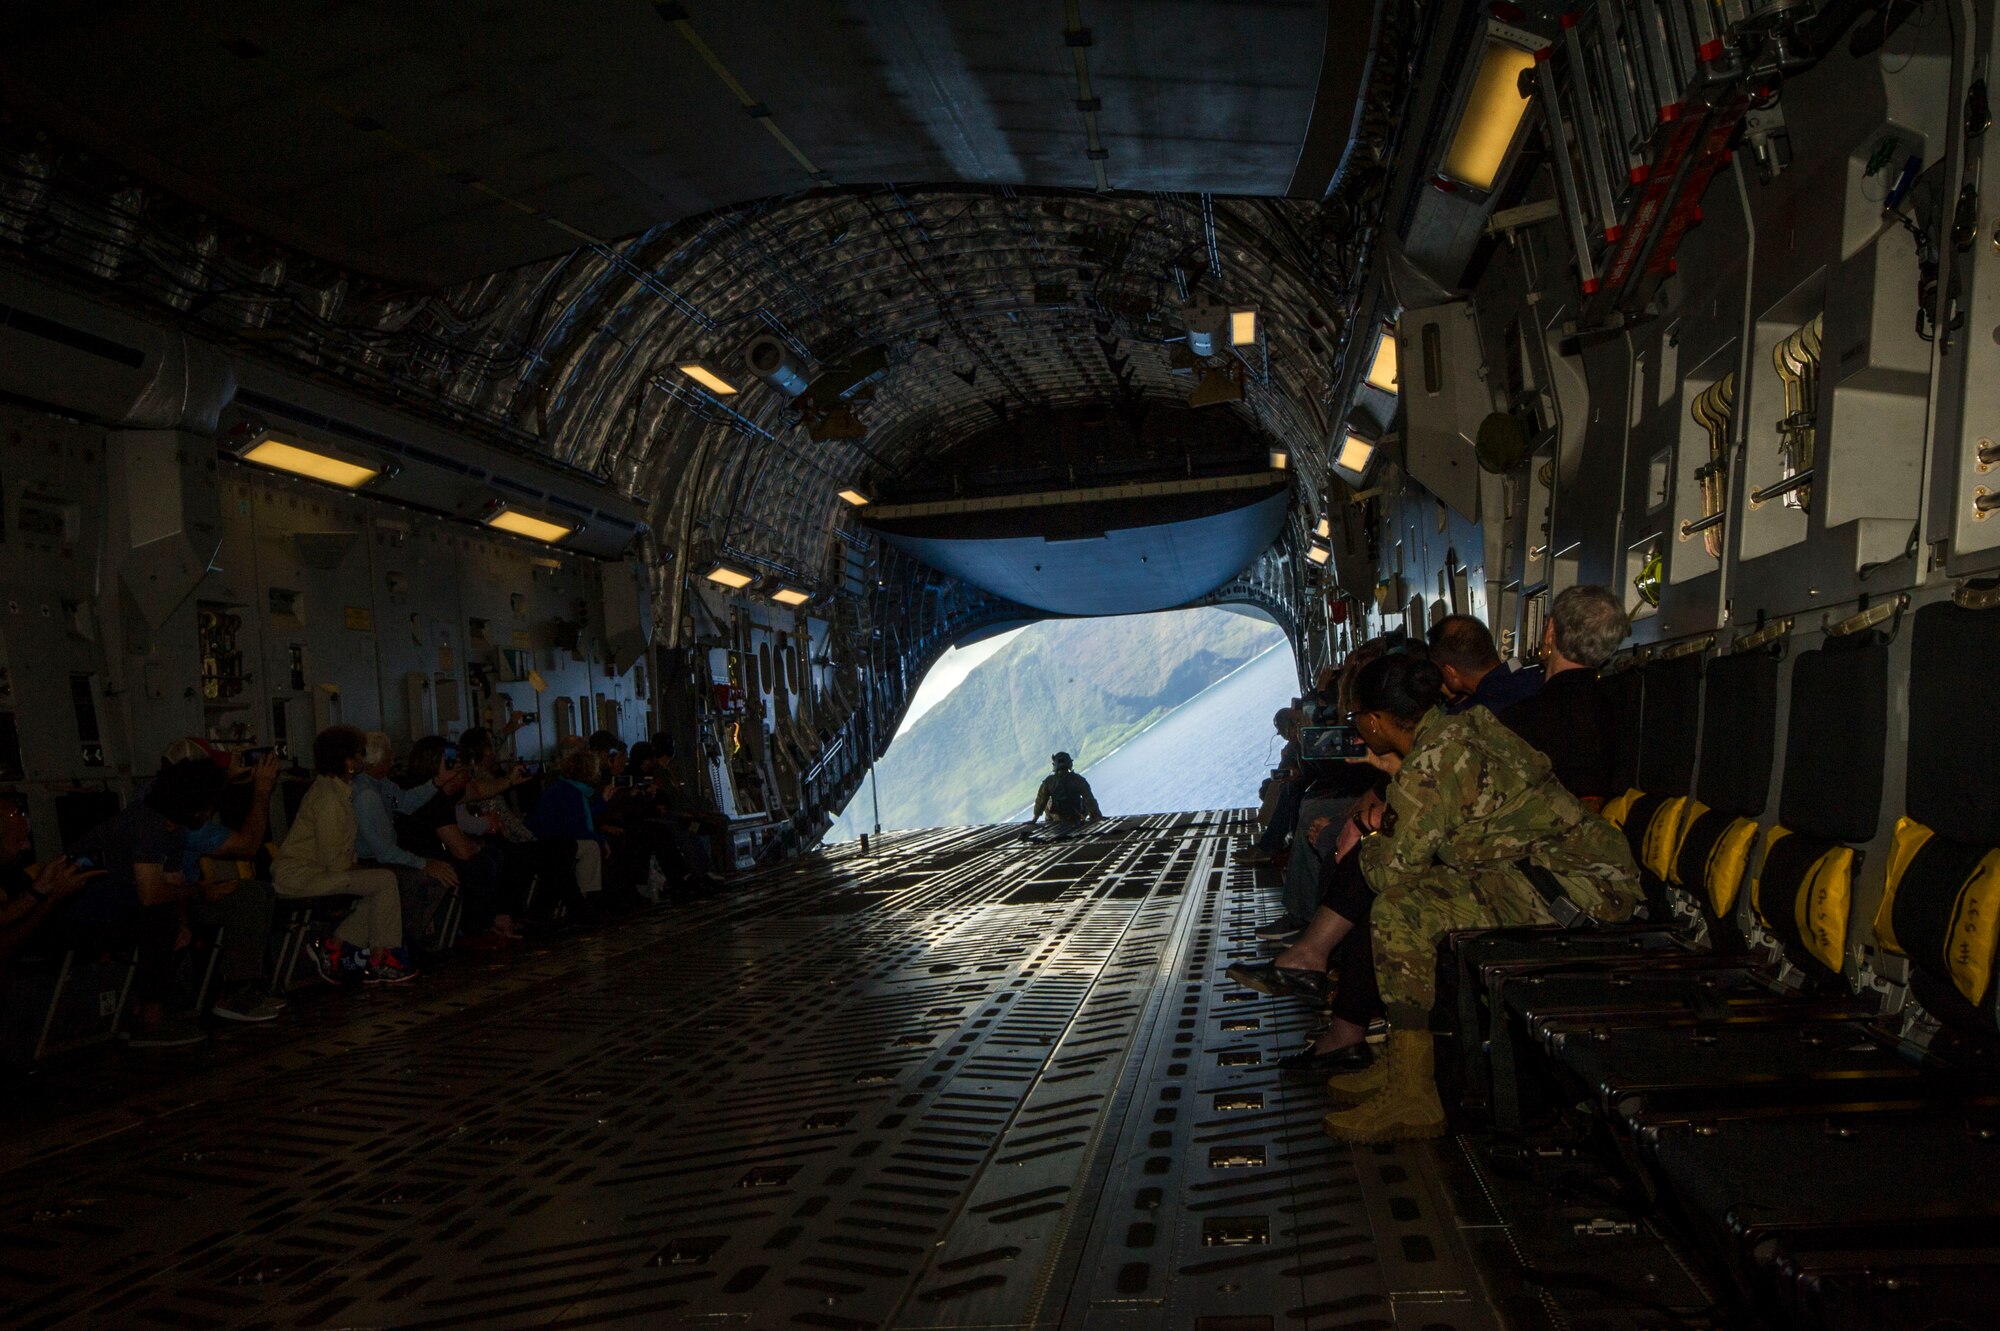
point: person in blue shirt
(234, 909)
(1462, 649)
(566, 816)
(377, 800)
(568, 808)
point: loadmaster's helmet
(1062, 761)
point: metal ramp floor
(957, 1082)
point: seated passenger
(317, 860)
(137, 904)
(1476, 833)
(696, 812)
(1474, 675)
(1322, 705)
(1571, 719)
(490, 776)
(635, 821)
(1328, 810)
(435, 820)
(1284, 791)
(377, 800)
(565, 818)
(1065, 796)
(231, 908)
(679, 827)
(27, 894)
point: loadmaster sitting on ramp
(1065, 797)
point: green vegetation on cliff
(1085, 685)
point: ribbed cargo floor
(958, 1082)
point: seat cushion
(1711, 857)
(1802, 894)
(1941, 909)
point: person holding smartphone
(231, 907)
(26, 898)
(138, 899)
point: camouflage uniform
(1473, 801)
(1068, 787)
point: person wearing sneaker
(138, 901)
(235, 911)
(377, 800)
(1478, 834)
(317, 860)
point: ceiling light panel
(311, 464)
(1491, 116)
(1382, 370)
(1355, 454)
(708, 379)
(524, 524)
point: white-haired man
(1571, 719)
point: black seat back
(1836, 739)
(1831, 797)
(1627, 691)
(1669, 725)
(1943, 908)
(1739, 726)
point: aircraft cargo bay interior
(1211, 665)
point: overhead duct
(170, 521)
(767, 357)
(1207, 322)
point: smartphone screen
(1333, 742)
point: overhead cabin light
(526, 524)
(1325, 528)
(1280, 459)
(723, 575)
(790, 596)
(314, 463)
(1242, 327)
(1319, 554)
(708, 379)
(1382, 370)
(1355, 455)
(1491, 115)
(854, 497)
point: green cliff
(1085, 685)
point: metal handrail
(1774, 490)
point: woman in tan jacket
(317, 860)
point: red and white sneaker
(336, 962)
(389, 965)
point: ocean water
(1211, 752)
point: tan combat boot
(1351, 1088)
(1406, 1108)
